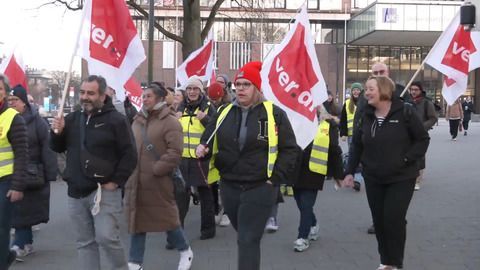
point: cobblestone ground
(443, 225)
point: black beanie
(21, 93)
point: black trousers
(465, 124)
(454, 127)
(207, 211)
(388, 205)
(248, 207)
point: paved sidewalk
(443, 225)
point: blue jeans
(305, 199)
(137, 244)
(5, 220)
(23, 236)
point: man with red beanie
(217, 95)
(253, 151)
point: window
(168, 54)
(312, 4)
(239, 54)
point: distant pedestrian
(454, 116)
(13, 160)
(42, 168)
(101, 155)
(149, 193)
(467, 107)
(389, 142)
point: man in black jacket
(13, 164)
(96, 135)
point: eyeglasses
(414, 89)
(243, 85)
(192, 89)
(379, 72)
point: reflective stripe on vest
(6, 152)
(350, 116)
(192, 132)
(214, 174)
(319, 155)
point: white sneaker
(301, 244)
(224, 221)
(313, 235)
(27, 250)
(417, 186)
(272, 225)
(134, 266)
(186, 258)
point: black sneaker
(356, 186)
(465, 133)
(169, 246)
(371, 229)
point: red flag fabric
(133, 90)
(109, 42)
(292, 79)
(455, 54)
(199, 63)
(13, 67)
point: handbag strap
(148, 145)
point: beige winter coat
(454, 112)
(149, 194)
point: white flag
(292, 79)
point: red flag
(133, 90)
(14, 69)
(199, 62)
(292, 79)
(455, 54)
(109, 42)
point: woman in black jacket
(389, 142)
(42, 168)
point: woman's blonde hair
(385, 86)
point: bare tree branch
(162, 30)
(68, 4)
(211, 18)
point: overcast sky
(45, 35)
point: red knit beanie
(215, 91)
(251, 72)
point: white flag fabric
(14, 68)
(199, 63)
(455, 54)
(109, 42)
(292, 79)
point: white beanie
(194, 81)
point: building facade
(349, 36)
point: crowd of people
(227, 150)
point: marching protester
(346, 123)
(318, 160)
(427, 114)
(41, 169)
(389, 141)
(225, 82)
(194, 113)
(454, 116)
(219, 97)
(149, 193)
(14, 158)
(251, 159)
(467, 107)
(101, 156)
(178, 98)
(126, 107)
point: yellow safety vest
(6, 152)
(192, 132)
(319, 155)
(214, 174)
(350, 116)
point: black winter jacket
(390, 152)
(17, 136)
(34, 208)
(108, 136)
(250, 164)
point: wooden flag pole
(67, 79)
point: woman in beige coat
(454, 116)
(149, 193)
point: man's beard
(90, 106)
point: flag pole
(67, 79)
